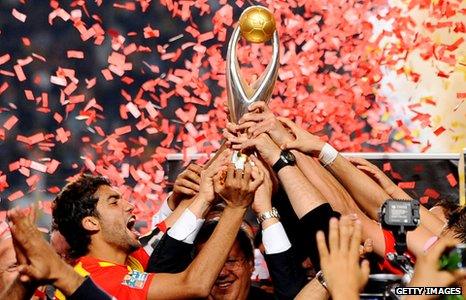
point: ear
(91, 223)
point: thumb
(365, 270)
(27, 273)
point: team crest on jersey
(135, 279)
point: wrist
(273, 157)
(258, 210)
(67, 280)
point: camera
(399, 217)
(400, 213)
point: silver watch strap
(273, 213)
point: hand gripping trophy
(256, 25)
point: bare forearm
(208, 263)
(171, 219)
(303, 195)
(366, 192)
(199, 207)
(329, 187)
(69, 280)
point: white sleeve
(163, 212)
(186, 227)
(275, 239)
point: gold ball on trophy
(257, 24)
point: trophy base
(239, 160)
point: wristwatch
(268, 215)
(286, 159)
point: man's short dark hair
(457, 223)
(75, 202)
(244, 240)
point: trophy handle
(240, 94)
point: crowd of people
(319, 232)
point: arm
(368, 194)
(197, 280)
(302, 194)
(314, 290)
(287, 276)
(428, 219)
(43, 266)
(341, 258)
(340, 199)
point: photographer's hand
(344, 276)
(427, 273)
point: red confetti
(439, 131)
(452, 180)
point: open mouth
(130, 226)
(224, 284)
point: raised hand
(379, 176)
(266, 147)
(426, 270)
(342, 258)
(206, 185)
(239, 186)
(186, 185)
(304, 141)
(260, 119)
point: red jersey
(125, 282)
(385, 265)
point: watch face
(289, 156)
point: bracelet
(321, 279)
(327, 155)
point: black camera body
(395, 214)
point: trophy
(256, 25)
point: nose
(129, 207)
(223, 272)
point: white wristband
(327, 155)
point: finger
(356, 239)
(260, 105)
(345, 233)
(365, 270)
(195, 168)
(260, 165)
(187, 191)
(231, 137)
(230, 173)
(258, 179)
(190, 176)
(218, 185)
(367, 169)
(247, 174)
(231, 127)
(322, 245)
(358, 160)
(246, 125)
(252, 117)
(368, 246)
(333, 236)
